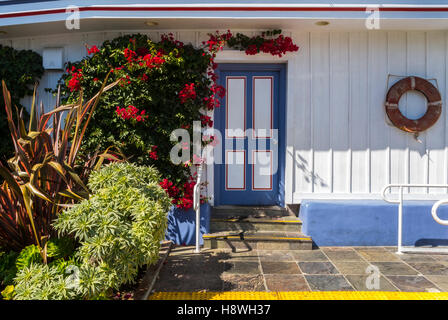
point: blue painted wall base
(371, 223)
(182, 227)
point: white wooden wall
(339, 144)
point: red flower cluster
(217, 41)
(75, 81)
(153, 153)
(131, 112)
(206, 120)
(154, 61)
(92, 50)
(186, 202)
(170, 189)
(276, 47)
(130, 55)
(143, 57)
(182, 198)
(170, 38)
(188, 92)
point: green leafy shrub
(20, 69)
(29, 255)
(119, 228)
(42, 282)
(8, 268)
(60, 248)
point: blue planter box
(182, 225)
(371, 223)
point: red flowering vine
(153, 153)
(272, 42)
(131, 112)
(92, 50)
(74, 83)
(206, 120)
(187, 93)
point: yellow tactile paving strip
(300, 295)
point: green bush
(42, 282)
(8, 268)
(20, 70)
(119, 228)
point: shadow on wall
(309, 175)
(431, 243)
(182, 225)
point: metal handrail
(400, 209)
(434, 209)
(197, 206)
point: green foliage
(42, 282)
(60, 248)
(242, 42)
(8, 293)
(120, 227)
(20, 70)
(8, 268)
(29, 255)
(157, 95)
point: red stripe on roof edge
(202, 9)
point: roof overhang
(37, 17)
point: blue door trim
(281, 68)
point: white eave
(17, 18)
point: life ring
(428, 90)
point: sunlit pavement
(329, 272)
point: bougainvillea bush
(163, 87)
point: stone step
(291, 224)
(260, 240)
(249, 212)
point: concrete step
(291, 224)
(249, 212)
(261, 240)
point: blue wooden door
(251, 123)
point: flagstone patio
(323, 269)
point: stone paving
(323, 269)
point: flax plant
(43, 177)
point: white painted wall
(339, 144)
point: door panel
(249, 123)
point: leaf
(27, 201)
(38, 192)
(33, 112)
(12, 183)
(73, 195)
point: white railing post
(197, 207)
(400, 200)
(400, 219)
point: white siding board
(320, 88)
(435, 137)
(416, 65)
(396, 47)
(339, 109)
(379, 135)
(299, 107)
(359, 112)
